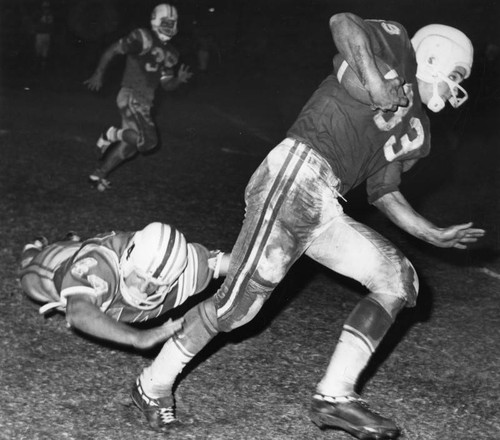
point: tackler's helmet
(157, 255)
(439, 50)
(164, 21)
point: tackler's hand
(151, 337)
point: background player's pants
(136, 115)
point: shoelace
(167, 415)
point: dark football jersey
(148, 60)
(364, 144)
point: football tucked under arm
(348, 78)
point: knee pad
(148, 139)
(369, 322)
(200, 326)
(398, 279)
(243, 307)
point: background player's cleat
(353, 415)
(38, 243)
(160, 413)
(72, 236)
(99, 182)
(106, 139)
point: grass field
(436, 374)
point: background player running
(151, 61)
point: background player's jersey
(92, 268)
(364, 144)
(148, 60)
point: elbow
(71, 318)
(74, 312)
(341, 18)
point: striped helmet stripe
(168, 252)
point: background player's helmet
(158, 253)
(439, 49)
(164, 21)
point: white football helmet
(151, 264)
(164, 21)
(440, 49)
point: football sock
(114, 134)
(348, 361)
(362, 333)
(158, 379)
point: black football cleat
(352, 414)
(160, 413)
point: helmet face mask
(450, 89)
(443, 52)
(151, 265)
(164, 21)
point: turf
(436, 374)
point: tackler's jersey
(148, 60)
(365, 144)
(92, 268)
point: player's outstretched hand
(459, 236)
(94, 83)
(151, 337)
(183, 75)
(389, 94)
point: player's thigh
(358, 252)
(124, 102)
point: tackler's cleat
(352, 414)
(160, 413)
(38, 243)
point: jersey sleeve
(197, 274)
(138, 42)
(388, 179)
(388, 39)
(92, 273)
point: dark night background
(267, 40)
(437, 371)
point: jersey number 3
(394, 148)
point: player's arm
(351, 37)
(95, 81)
(169, 83)
(83, 315)
(400, 212)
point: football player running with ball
(119, 278)
(151, 60)
(292, 208)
